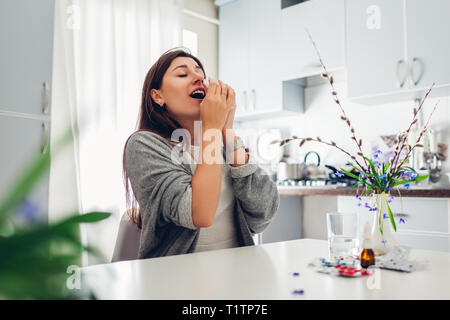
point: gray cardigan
(161, 183)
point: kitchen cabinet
(26, 34)
(427, 223)
(233, 50)
(287, 223)
(396, 49)
(325, 21)
(250, 58)
(24, 139)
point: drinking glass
(343, 237)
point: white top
(223, 232)
(263, 272)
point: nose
(198, 77)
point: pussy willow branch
(401, 142)
(331, 143)
(334, 92)
(418, 140)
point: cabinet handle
(245, 100)
(400, 84)
(46, 98)
(46, 138)
(411, 71)
(253, 105)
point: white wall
(208, 33)
(322, 118)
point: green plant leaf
(391, 216)
(386, 167)
(349, 174)
(89, 217)
(420, 178)
(372, 167)
(352, 165)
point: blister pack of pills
(339, 266)
(396, 259)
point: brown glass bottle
(367, 258)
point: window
(190, 40)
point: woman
(205, 204)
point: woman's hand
(214, 108)
(231, 103)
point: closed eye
(183, 75)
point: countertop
(344, 191)
(263, 272)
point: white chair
(127, 242)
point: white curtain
(109, 46)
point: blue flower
(339, 174)
(358, 197)
(301, 291)
(376, 163)
(402, 221)
(385, 216)
(29, 211)
(406, 186)
(359, 204)
(409, 175)
(388, 188)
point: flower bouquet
(376, 176)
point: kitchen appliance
(314, 171)
(290, 171)
(310, 175)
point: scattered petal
(301, 291)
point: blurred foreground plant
(34, 259)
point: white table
(263, 272)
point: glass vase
(382, 241)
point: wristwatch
(234, 145)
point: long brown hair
(153, 117)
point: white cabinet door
(21, 141)
(425, 224)
(265, 56)
(325, 21)
(26, 37)
(428, 41)
(233, 50)
(375, 47)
